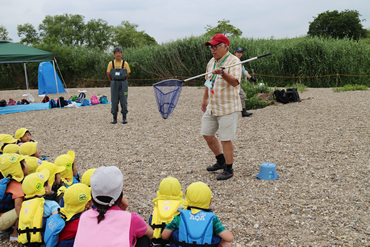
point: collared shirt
(225, 99)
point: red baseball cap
(218, 38)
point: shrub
(350, 88)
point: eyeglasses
(214, 47)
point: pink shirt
(113, 230)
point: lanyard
(214, 76)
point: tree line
(70, 29)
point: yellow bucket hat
(66, 160)
(33, 184)
(6, 139)
(75, 199)
(198, 195)
(53, 169)
(10, 165)
(169, 189)
(28, 148)
(11, 149)
(33, 163)
(20, 133)
(85, 179)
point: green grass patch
(254, 92)
(299, 86)
(350, 87)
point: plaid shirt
(225, 99)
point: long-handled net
(167, 92)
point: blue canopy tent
(46, 80)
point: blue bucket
(268, 172)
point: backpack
(12, 102)
(103, 100)
(82, 95)
(24, 102)
(85, 102)
(293, 95)
(62, 102)
(52, 103)
(94, 100)
(2, 102)
(45, 99)
(6, 200)
(280, 96)
(73, 98)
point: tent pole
(60, 73)
(56, 83)
(25, 73)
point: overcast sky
(168, 20)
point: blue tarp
(46, 78)
(30, 107)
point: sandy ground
(320, 147)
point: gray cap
(106, 181)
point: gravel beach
(321, 148)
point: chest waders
(118, 89)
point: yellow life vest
(30, 221)
(164, 212)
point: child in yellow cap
(197, 223)
(11, 149)
(168, 200)
(54, 179)
(23, 135)
(70, 175)
(31, 149)
(77, 199)
(14, 168)
(6, 139)
(85, 179)
(35, 208)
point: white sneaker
(13, 239)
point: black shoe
(124, 121)
(216, 167)
(114, 120)
(245, 113)
(226, 174)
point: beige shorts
(8, 219)
(226, 125)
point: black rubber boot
(124, 120)
(245, 113)
(114, 120)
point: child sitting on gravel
(13, 167)
(30, 148)
(23, 135)
(70, 175)
(197, 223)
(169, 199)
(110, 224)
(85, 179)
(77, 199)
(6, 139)
(35, 208)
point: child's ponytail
(102, 209)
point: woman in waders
(118, 71)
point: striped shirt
(225, 99)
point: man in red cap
(221, 104)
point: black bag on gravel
(280, 96)
(293, 95)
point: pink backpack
(94, 100)
(12, 102)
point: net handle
(232, 65)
